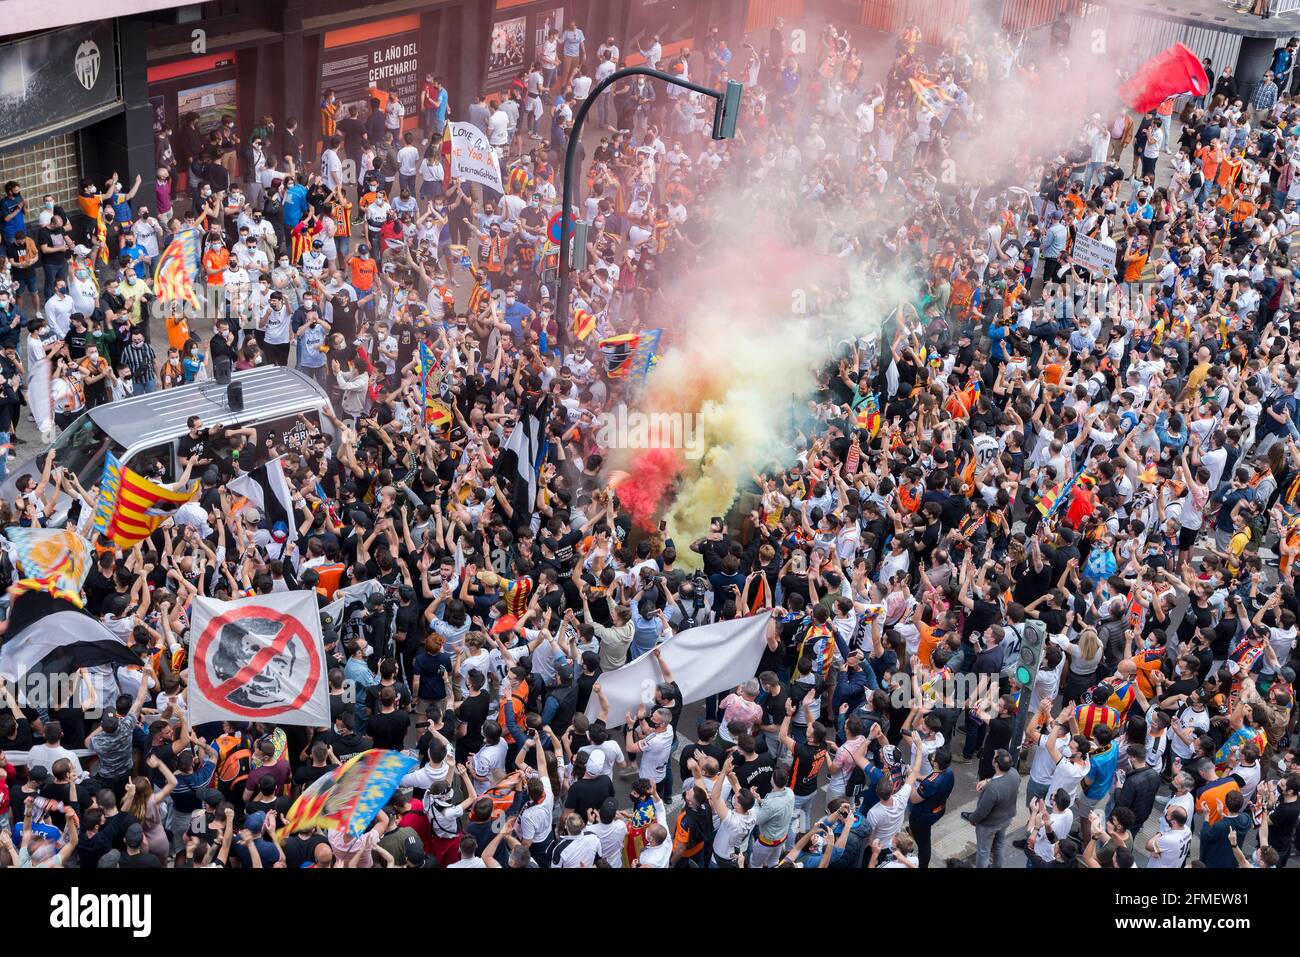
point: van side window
(145, 462)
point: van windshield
(80, 449)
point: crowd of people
(1030, 527)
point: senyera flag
(178, 268)
(1173, 72)
(130, 507)
(349, 797)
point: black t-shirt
(713, 552)
(97, 589)
(793, 584)
(308, 774)
(983, 614)
(774, 707)
(57, 239)
(562, 548)
(473, 711)
(300, 850)
(1053, 619)
(698, 752)
(140, 860)
(757, 773)
(1281, 825)
(588, 793)
(1030, 584)
(389, 730)
(187, 445)
(808, 762)
(675, 706)
(352, 130)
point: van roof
(270, 392)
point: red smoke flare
(651, 474)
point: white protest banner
(704, 661)
(1095, 255)
(258, 659)
(472, 157)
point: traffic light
(728, 112)
(551, 266)
(578, 254)
(1031, 653)
(1032, 638)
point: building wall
(49, 166)
(1135, 38)
(762, 14)
(934, 18)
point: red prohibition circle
(290, 629)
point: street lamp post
(725, 115)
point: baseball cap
(38, 774)
(414, 852)
(255, 821)
(595, 764)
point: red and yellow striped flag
(445, 152)
(178, 269)
(131, 508)
(584, 324)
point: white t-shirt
(277, 327)
(498, 130)
(1067, 777)
(732, 833)
(1062, 821)
(657, 856)
(656, 752)
(581, 851)
(408, 159)
(488, 759)
(613, 755)
(332, 168)
(612, 837)
(886, 820)
(1172, 848)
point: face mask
(49, 204)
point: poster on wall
(543, 24)
(507, 50)
(57, 77)
(158, 107)
(383, 55)
(207, 86)
(213, 102)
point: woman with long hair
(1085, 658)
(146, 805)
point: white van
(146, 428)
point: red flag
(1172, 73)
